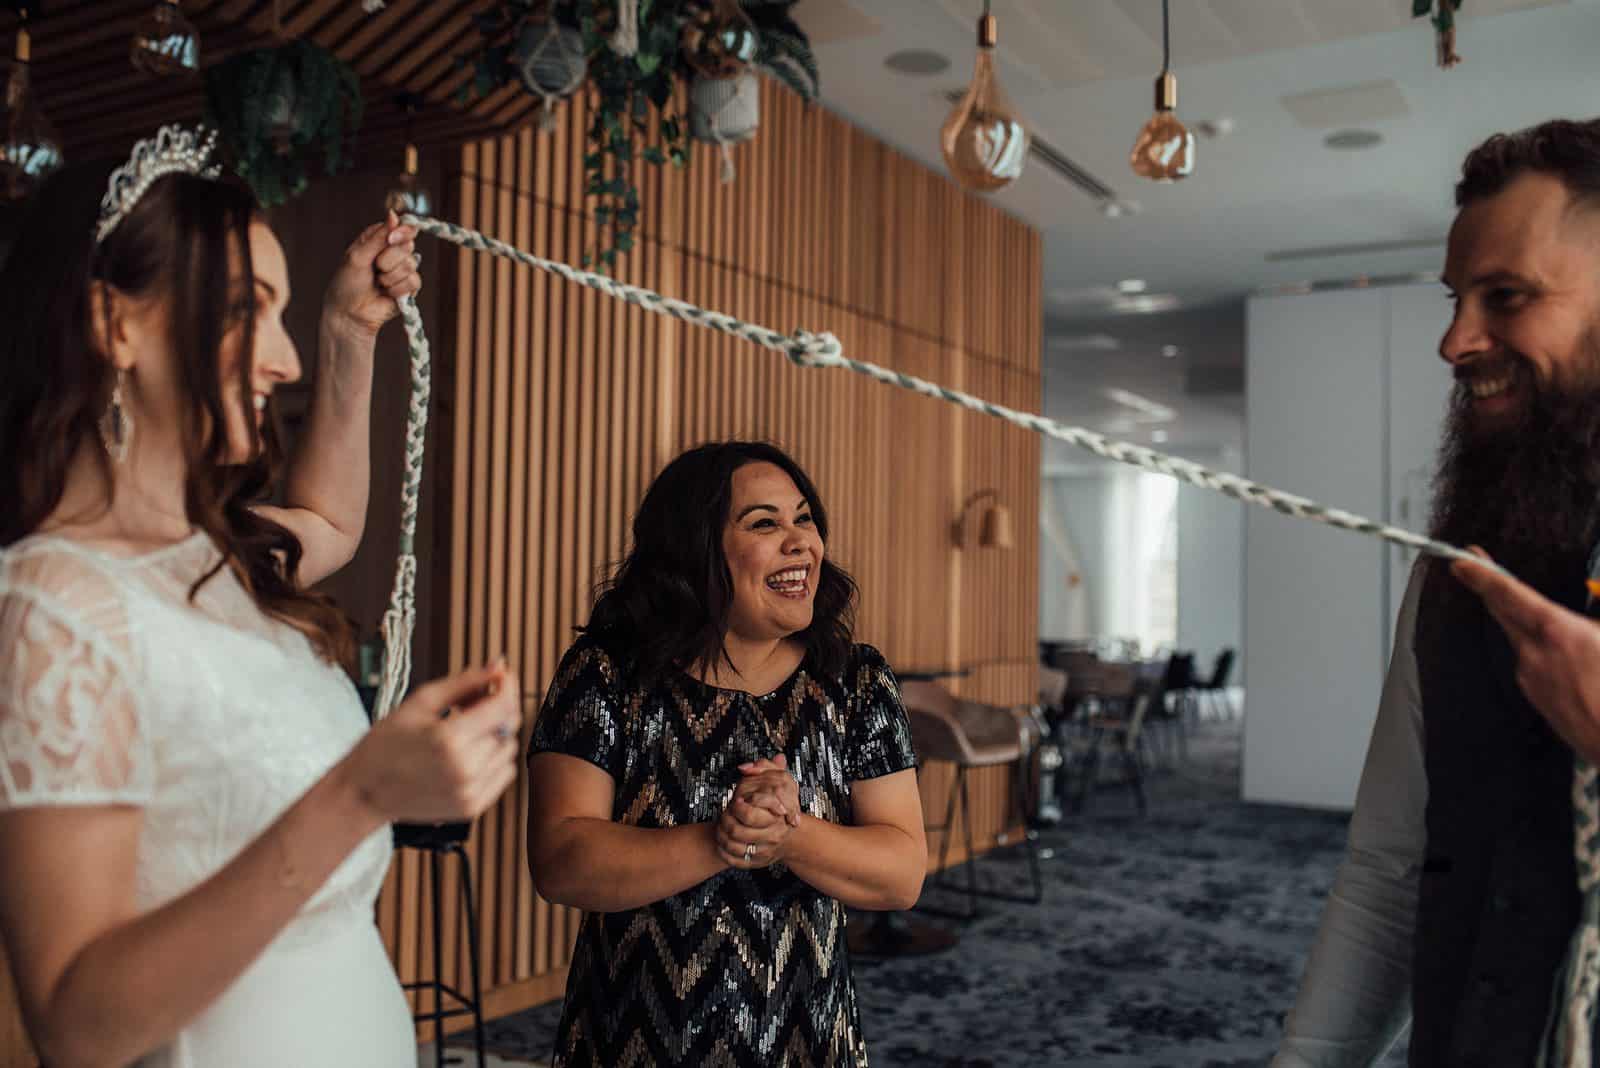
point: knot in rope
(814, 350)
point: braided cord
(823, 350)
(400, 620)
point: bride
(194, 817)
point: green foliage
(634, 117)
(785, 52)
(275, 107)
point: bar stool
(440, 841)
(969, 734)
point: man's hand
(1557, 650)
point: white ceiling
(1081, 72)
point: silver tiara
(173, 150)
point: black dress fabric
(747, 968)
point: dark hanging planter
(275, 109)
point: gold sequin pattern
(749, 968)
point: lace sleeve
(69, 722)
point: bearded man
(1459, 896)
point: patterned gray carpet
(1171, 940)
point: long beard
(1529, 493)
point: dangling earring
(116, 424)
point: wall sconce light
(994, 529)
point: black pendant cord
(985, 7)
(1166, 38)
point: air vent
(1348, 105)
(1051, 157)
(1370, 248)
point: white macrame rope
(625, 41)
(400, 621)
(823, 350)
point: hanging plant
(275, 108)
(551, 62)
(1444, 27)
(725, 112)
(638, 53)
(784, 51)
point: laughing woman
(717, 773)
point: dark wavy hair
(665, 607)
(1563, 148)
(177, 246)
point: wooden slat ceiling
(99, 104)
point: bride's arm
(101, 986)
(326, 485)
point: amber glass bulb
(984, 142)
(166, 43)
(31, 149)
(1164, 149)
(408, 194)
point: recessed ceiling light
(918, 62)
(1149, 411)
(1130, 286)
(1221, 126)
(1145, 303)
(1113, 208)
(1170, 351)
(1083, 343)
(1353, 139)
(1158, 436)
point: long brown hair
(179, 244)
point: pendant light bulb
(1164, 149)
(409, 195)
(31, 150)
(166, 44)
(985, 143)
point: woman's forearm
(875, 866)
(330, 472)
(602, 866)
(132, 989)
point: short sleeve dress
(119, 688)
(748, 968)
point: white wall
(1073, 510)
(1110, 518)
(1344, 401)
(1211, 575)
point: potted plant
(274, 107)
(635, 87)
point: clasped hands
(761, 815)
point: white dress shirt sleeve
(1355, 998)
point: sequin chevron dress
(748, 968)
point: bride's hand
(419, 765)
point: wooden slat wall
(559, 405)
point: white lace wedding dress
(116, 689)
